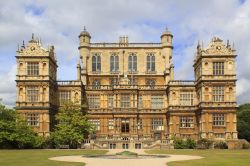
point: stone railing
(112, 87)
(69, 83)
(99, 45)
(182, 82)
(32, 104)
(217, 104)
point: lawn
(212, 157)
(40, 157)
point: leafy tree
(72, 126)
(15, 133)
(243, 121)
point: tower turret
(167, 49)
(84, 49)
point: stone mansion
(130, 92)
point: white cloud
(59, 23)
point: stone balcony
(133, 45)
(117, 87)
(69, 83)
(181, 83)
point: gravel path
(125, 162)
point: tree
(243, 121)
(72, 125)
(14, 131)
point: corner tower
(36, 85)
(215, 74)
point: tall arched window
(132, 63)
(96, 63)
(150, 62)
(114, 63)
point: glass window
(110, 101)
(125, 101)
(132, 63)
(186, 98)
(218, 68)
(96, 63)
(150, 62)
(32, 68)
(219, 135)
(111, 124)
(156, 102)
(96, 84)
(218, 119)
(132, 80)
(140, 101)
(64, 96)
(94, 101)
(32, 94)
(114, 63)
(150, 83)
(114, 81)
(186, 122)
(139, 124)
(218, 94)
(95, 123)
(157, 124)
(32, 119)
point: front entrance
(125, 146)
(125, 125)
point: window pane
(33, 94)
(93, 63)
(32, 68)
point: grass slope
(40, 157)
(212, 157)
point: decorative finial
(32, 36)
(166, 28)
(18, 47)
(23, 46)
(198, 45)
(40, 41)
(228, 44)
(84, 28)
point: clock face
(32, 48)
(218, 47)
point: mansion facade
(130, 92)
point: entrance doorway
(125, 125)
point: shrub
(220, 145)
(190, 144)
(179, 143)
(245, 145)
(204, 143)
(184, 144)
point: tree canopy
(14, 131)
(72, 125)
(243, 121)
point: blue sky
(60, 22)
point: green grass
(127, 153)
(40, 157)
(212, 157)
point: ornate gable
(217, 47)
(34, 48)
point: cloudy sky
(59, 23)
